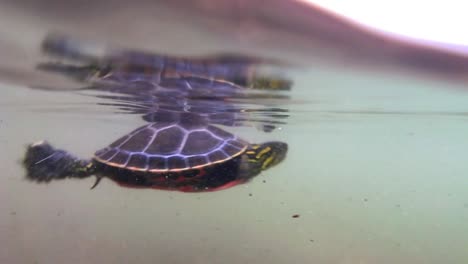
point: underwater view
(226, 132)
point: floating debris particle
(295, 216)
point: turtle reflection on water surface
(184, 156)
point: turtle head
(271, 84)
(266, 155)
(87, 72)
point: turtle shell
(163, 147)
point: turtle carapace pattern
(183, 156)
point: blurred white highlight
(435, 21)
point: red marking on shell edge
(201, 172)
(225, 186)
(185, 189)
(190, 189)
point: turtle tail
(44, 163)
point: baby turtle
(183, 156)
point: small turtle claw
(98, 179)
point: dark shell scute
(119, 141)
(240, 144)
(138, 161)
(106, 153)
(167, 141)
(195, 161)
(219, 132)
(176, 162)
(139, 141)
(157, 163)
(217, 155)
(101, 152)
(120, 158)
(230, 149)
(200, 142)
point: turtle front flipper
(44, 163)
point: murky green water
(376, 173)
